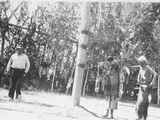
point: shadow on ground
(32, 103)
(90, 112)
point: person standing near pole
(111, 87)
(147, 81)
(19, 66)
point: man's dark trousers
(16, 82)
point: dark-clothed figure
(18, 65)
(146, 80)
(111, 87)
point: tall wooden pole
(81, 56)
(158, 90)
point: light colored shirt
(19, 62)
(143, 75)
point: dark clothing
(143, 101)
(111, 87)
(16, 82)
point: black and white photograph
(79, 60)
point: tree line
(49, 33)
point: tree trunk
(81, 56)
(44, 51)
(99, 15)
(85, 83)
(70, 81)
(158, 90)
(2, 46)
(53, 55)
(55, 68)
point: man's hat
(18, 47)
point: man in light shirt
(19, 66)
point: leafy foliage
(49, 33)
(46, 34)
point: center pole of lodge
(158, 91)
(81, 55)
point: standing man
(19, 66)
(147, 81)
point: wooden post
(81, 56)
(55, 67)
(158, 90)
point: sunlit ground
(51, 106)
